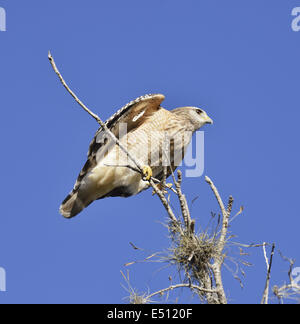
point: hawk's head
(195, 117)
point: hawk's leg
(147, 172)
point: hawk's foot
(146, 172)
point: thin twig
(269, 266)
(225, 214)
(290, 290)
(291, 262)
(182, 200)
(237, 214)
(129, 167)
(265, 255)
(187, 285)
(166, 204)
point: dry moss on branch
(192, 254)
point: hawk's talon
(147, 172)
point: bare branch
(181, 285)
(291, 262)
(265, 255)
(217, 195)
(225, 215)
(290, 290)
(269, 266)
(183, 203)
(166, 204)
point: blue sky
(239, 60)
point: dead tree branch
(269, 266)
(181, 285)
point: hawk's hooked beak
(208, 120)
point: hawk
(144, 128)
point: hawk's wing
(133, 115)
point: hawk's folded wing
(133, 115)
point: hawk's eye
(199, 111)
